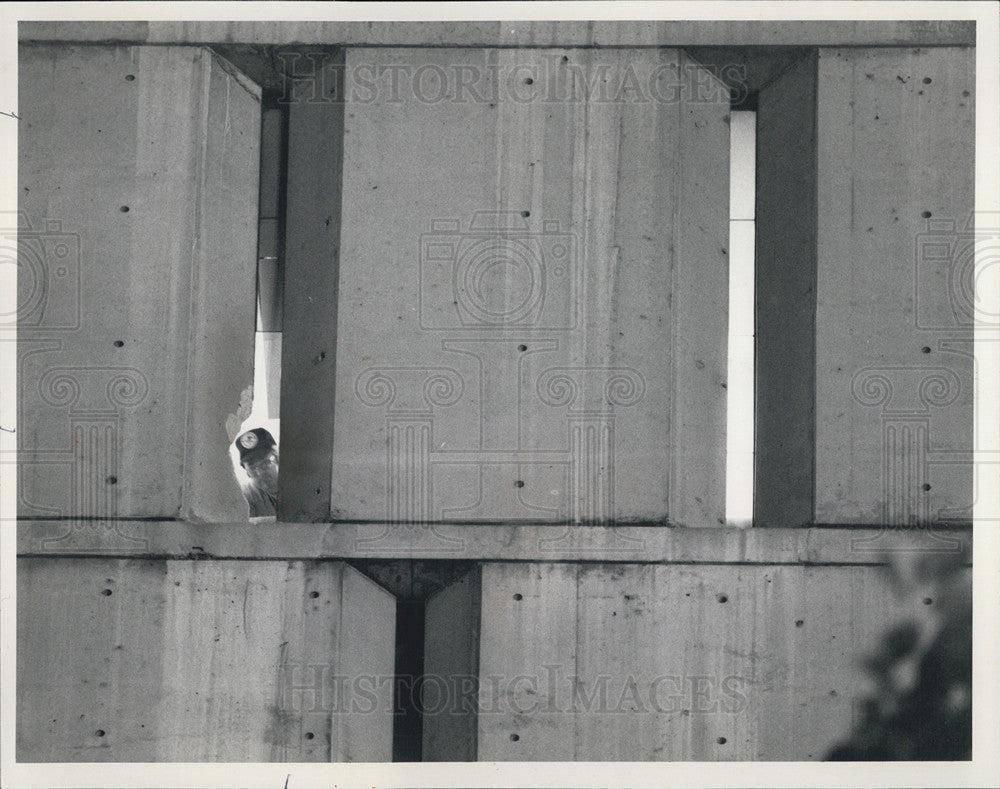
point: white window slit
(740, 373)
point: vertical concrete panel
(670, 655)
(202, 661)
(675, 662)
(224, 263)
(528, 641)
(89, 659)
(786, 298)
(893, 380)
(451, 666)
(137, 185)
(816, 625)
(363, 733)
(699, 277)
(224, 627)
(309, 312)
(520, 229)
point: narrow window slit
(740, 366)
(256, 469)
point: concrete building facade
(501, 276)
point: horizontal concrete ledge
(514, 34)
(641, 544)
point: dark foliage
(921, 707)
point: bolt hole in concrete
(925, 486)
(519, 483)
(314, 595)
(925, 349)
(124, 209)
(106, 592)
(721, 740)
(526, 214)
(515, 737)
(119, 343)
(112, 480)
(740, 364)
(518, 596)
(926, 214)
(130, 77)
(522, 348)
(99, 732)
(927, 80)
(799, 623)
(928, 601)
(722, 598)
(309, 735)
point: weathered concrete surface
(894, 309)
(148, 660)
(676, 663)
(138, 179)
(517, 33)
(532, 257)
(785, 376)
(464, 542)
(310, 344)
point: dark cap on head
(254, 445)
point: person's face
(264, 472)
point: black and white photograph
(561, 394)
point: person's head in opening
(259, 458)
